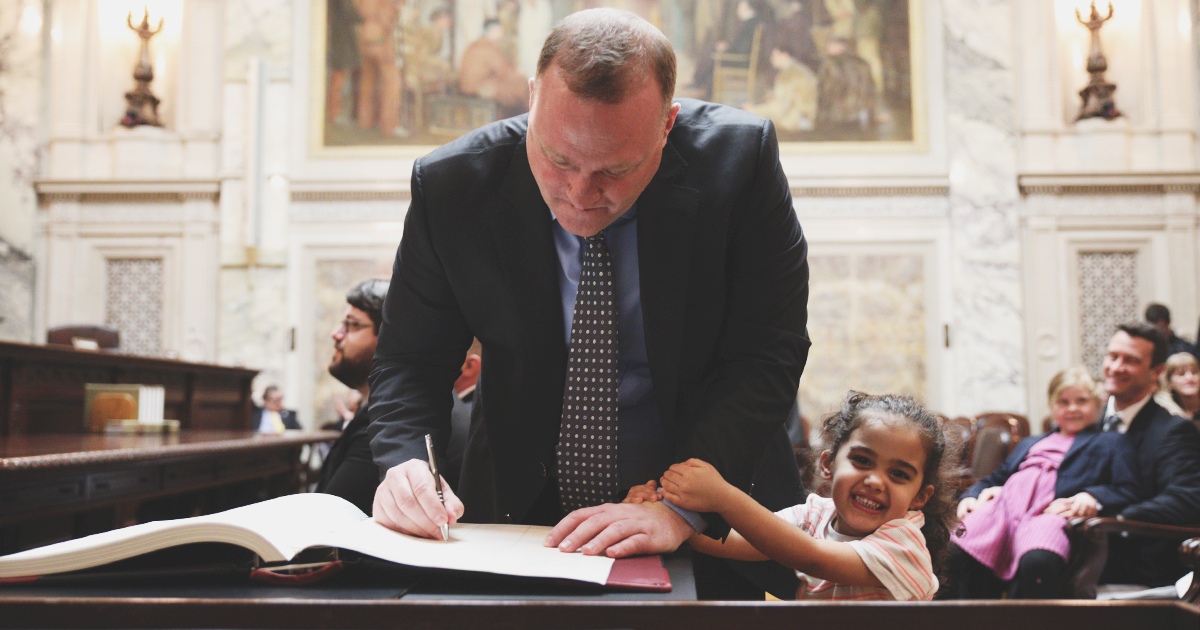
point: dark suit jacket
(1101, 464)
(724, 292)
(1168, 454)
(287, 415)
(461, 414)
(348, 470)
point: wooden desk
(60, 486)
(42, 388)
(52, 612)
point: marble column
(986, 334)
(253, 320)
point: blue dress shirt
(643, 448)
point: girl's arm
(734, 548)
(696, 485)
(791, 546)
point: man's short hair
(369, 297)
(1147, 331)
(1158, 314)
(604, 52)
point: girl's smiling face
(1075, 408)
(877, 475)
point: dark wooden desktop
(59, 482)
(82, 612)
(452, 600)
(59, 486)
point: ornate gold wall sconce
(1097, 95)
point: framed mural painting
(400, 76)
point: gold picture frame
(836, 76)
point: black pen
(437, 481)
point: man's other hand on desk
(407, 502)
(621, 529)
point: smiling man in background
(1168, 456)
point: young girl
(871, 540)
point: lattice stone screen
(134, 303)
(1108, 291)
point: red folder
(641, 573)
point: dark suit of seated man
(272, 417)
(1168, 457)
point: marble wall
(255, 330)
(16, 294)
(867, 316)
(259, 29)
(986, 332)
(20, 99)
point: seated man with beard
(348, 471)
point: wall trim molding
(319, 191)
(911, 186)
(351, 195)
(126, 191)
(915, 186)
(1109, 183)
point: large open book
(280, 529)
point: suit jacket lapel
(1137, 427)
(522, 228)
(666, 213)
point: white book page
(280, 528)
(276, 530)
(502, 549)
(294, 522)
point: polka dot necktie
(587, 439)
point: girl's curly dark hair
(939, 510)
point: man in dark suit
(709, 278)
(348, 470)
(272, 417)
(1168, 457)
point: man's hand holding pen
(407, 501)
(437, 482)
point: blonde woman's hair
(1175, 363)
(1072, 377)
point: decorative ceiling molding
(127, 191)
(1109, 183)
